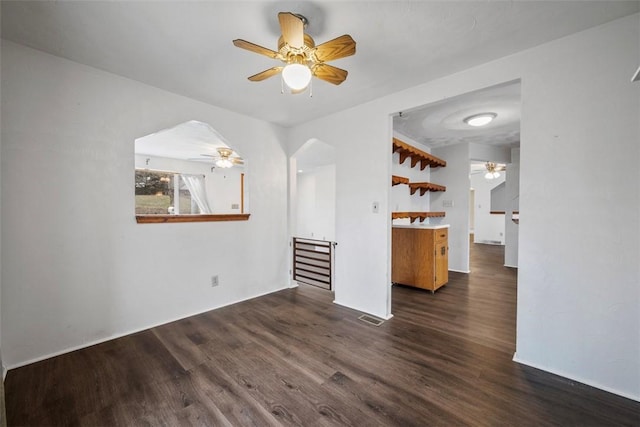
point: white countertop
(427, 226)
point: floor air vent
(371, 320)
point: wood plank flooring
(293, 358)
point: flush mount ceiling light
(481, 119)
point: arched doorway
(312, 214)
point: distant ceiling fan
(224, 158)
(491, 170)
(302, 58)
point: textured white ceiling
(442, 123)
(192, 140)
(185, 47)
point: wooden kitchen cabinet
(420, 256)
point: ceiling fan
(223, 159)
(491, 170)
(302, 58)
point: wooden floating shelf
(425, 186)
(395, 180)
(417, 156)
(416, 215)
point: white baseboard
(511, 266)
(574, 378)
(460, 271)
(132, 331)
(489, 242)
(363, 311)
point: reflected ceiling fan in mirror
(302, 58)
(224, 159)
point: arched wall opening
(312, 214)
(313, 205)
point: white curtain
(195, 184)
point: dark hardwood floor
(294, 358)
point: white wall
(363, 173)
(511, 232)
(224, 190)
(454, 202)
(498, 197)
(316, 203)
(579, 299)
(578, 293)
(488, 227)
(78, 268)
(489, 153)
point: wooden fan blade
(243, 44)
(337, 48)
(265, 74)
(292, 29)
(329, 73)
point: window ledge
(160, 219)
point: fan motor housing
(289, 52)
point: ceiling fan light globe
(488, 175)
(224, 163)
(496, 174)
(296, 76)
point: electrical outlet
(235, 206)
(375, 207)
(214, 281)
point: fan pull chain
(311, 88)
(281, 84)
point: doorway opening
(478, 209)
(313, 207)
(444, 129)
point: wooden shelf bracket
(417, 156)
(395, 180)
(425, 186)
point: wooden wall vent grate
(371, 320)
